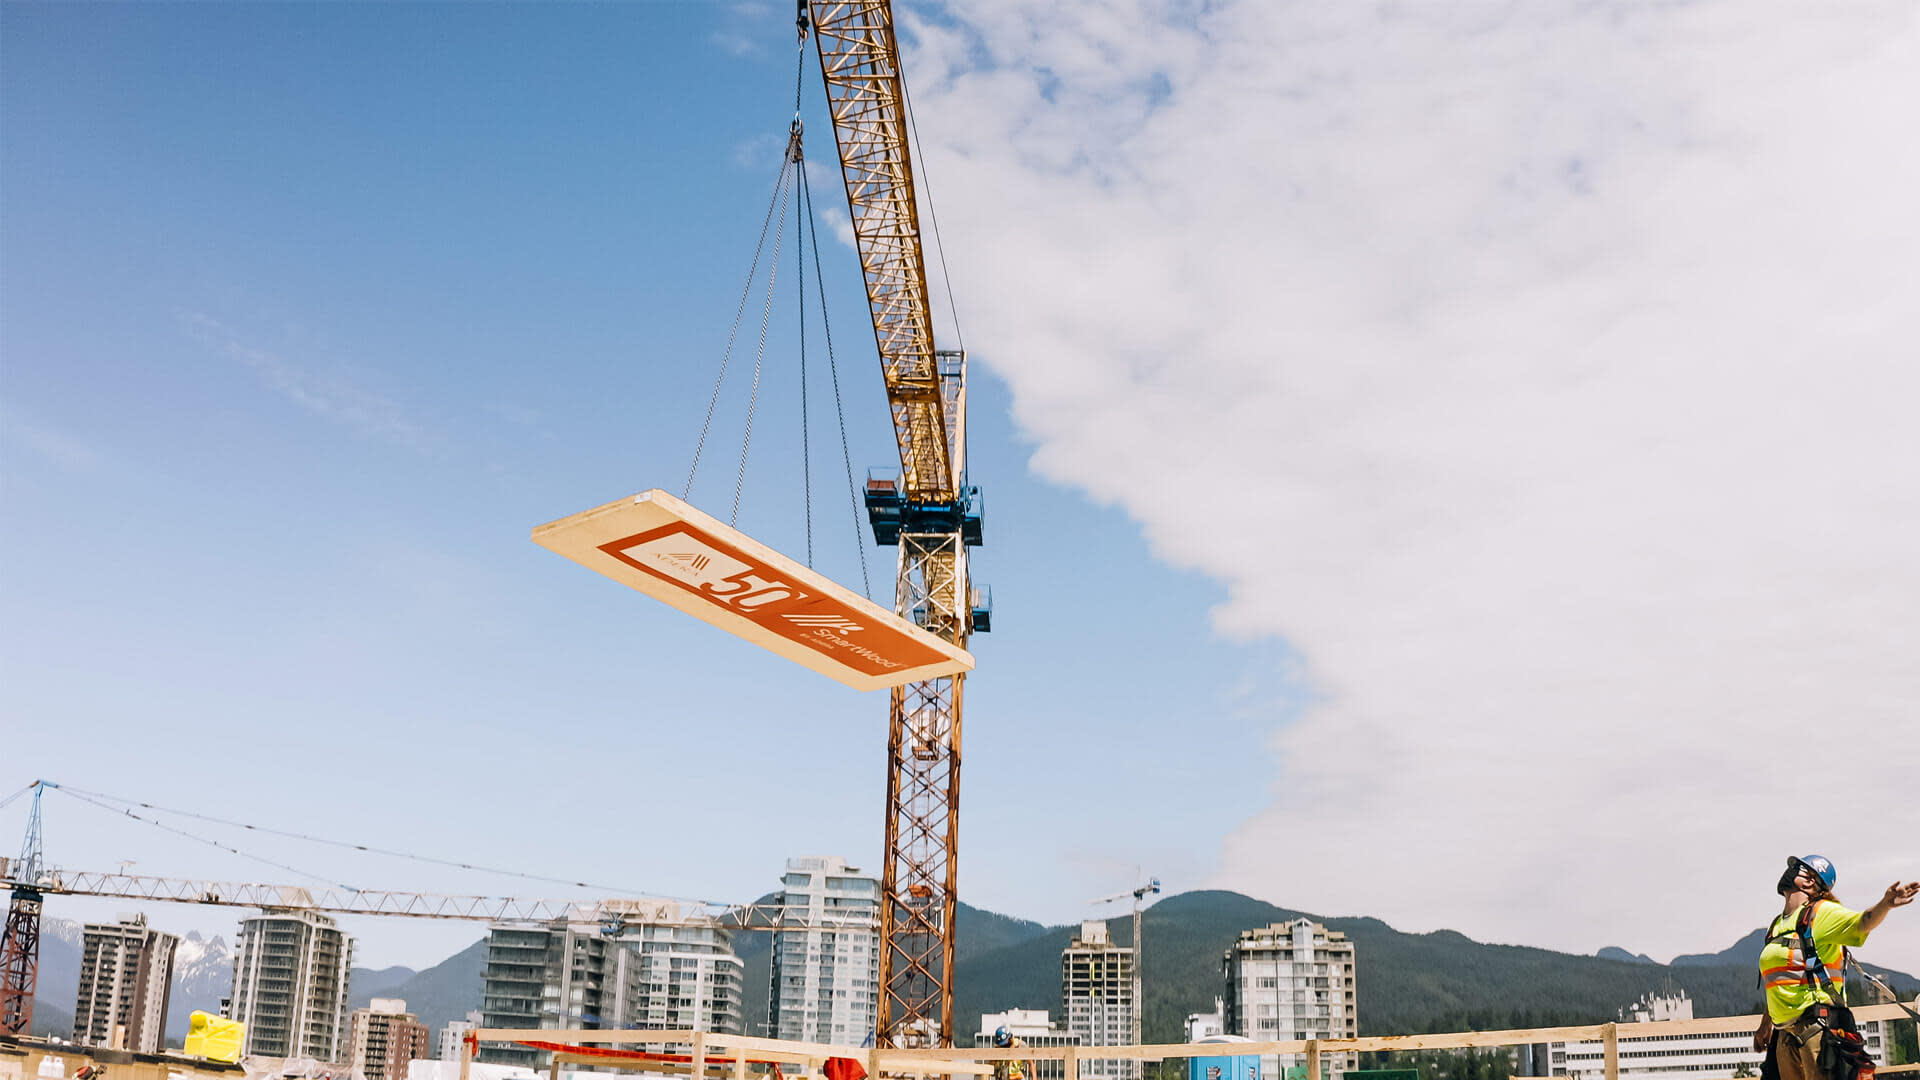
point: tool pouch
(1843, 1052)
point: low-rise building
(1207, 1025)
(1034, 1028)
(454, 1034)
(1711, 1055)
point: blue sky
(1415, 438)
(311, 312)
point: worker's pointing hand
(1899, 895)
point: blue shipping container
(1224, 1067)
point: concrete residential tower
(290, 985)
(826, 980)
(1096, 989)
(1292, 981)
(383, 1038)
(573, 973)
(126, 973)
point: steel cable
(839, 407)
(746, 290)
(368, 848)
(760, 352)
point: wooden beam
(1454, 1040)
(1610, 1038)
(896, 1062)
(1313, 1059)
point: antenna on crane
(1152, 887)
(20, 946)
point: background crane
(31, 881)
(20, 947)
(930, 513)
(1139, 946)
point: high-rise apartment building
(1096, 989)
(575, 973)
(1289, 981)
(688, 980)
(290, 985)
(383, 1038)
(126, 971)
(826, 958)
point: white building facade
(1207, 1025)
(826, 967)
(1033, 1027)
(1289, 981)
(1697, 1056)
(686, 979)
(290, 985)
(1096, 990)
(593, 973)
(454, 1034)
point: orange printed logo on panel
(730, 580)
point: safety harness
(1843, 1051)
(1811, 971)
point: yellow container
(215, 1038)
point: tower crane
(931, 513)
(20, 944)
(1151, 888)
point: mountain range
(1408, 983)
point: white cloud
(1546, 374)
(54, 444)
(329, 395)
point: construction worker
(1004, 1038)
(1805, 985)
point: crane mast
(931, 514)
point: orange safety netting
(838, 1068)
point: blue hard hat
(1003, 1036)
(1819, 866)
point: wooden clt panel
(665, 548)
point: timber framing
(731, 1053)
